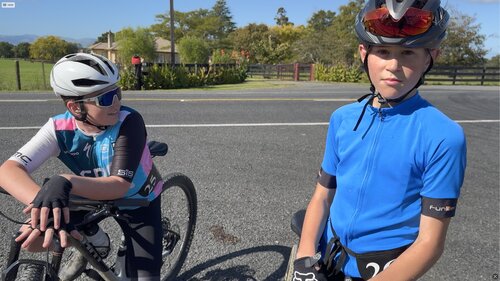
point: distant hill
(16, 39)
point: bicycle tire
(179, 208)
(31, 272)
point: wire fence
(26, 75)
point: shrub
(337, 73)
(166, 77)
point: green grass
(32, 75)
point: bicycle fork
(13, 261)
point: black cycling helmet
(408, 23)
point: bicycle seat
(157, 148)
(298, 221)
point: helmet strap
(381, 99)
(83, 117)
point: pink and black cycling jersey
(120, 150)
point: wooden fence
(294, 72)
(456, 74)
(453, 74)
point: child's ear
(73, 107)
(362, 52)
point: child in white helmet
(104, 144)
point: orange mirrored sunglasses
(414, 22)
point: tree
(281, 18)
(321, 20)
(51, 48)
(193, 50)
(221, 11)
(140, 42)
(494, 61)
(463, 45)
(224, 26)
(6, 50)
(279, 43)
(22, 50)
(250, 38)
(212, 25)
(200, 23)
(341, 39)
(330, 38)
(103, 38)
(313, 47)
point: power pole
(172, 43)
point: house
(110, 49)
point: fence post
(18, 76)
(482, 76)
(454, 75)
(296, 72)
(43, 76)
(311, 72)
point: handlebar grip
(135, 202)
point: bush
(164, 77)
(337, 73)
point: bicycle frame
(100, 210)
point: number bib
(372, 263)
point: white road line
(199, 99)
(24, 100)
(241, 125)
(477, 121)
(237, 125)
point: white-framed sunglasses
(106, 99)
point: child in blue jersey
(393, 164)
(104, 144)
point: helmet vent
(107, 64)
(90, 63)
(87, 82)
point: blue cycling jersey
(400, 163)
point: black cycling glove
(304, 269)
(53, 194)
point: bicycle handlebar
(75, 202)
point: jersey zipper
(368, 174)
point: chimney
(109, 40)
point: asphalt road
(253, 156)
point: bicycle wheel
(179, 208)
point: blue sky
(91, 18)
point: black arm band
(439, 208)
(326, 179)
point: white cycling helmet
(81, 74)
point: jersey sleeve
(39, 149)
(328, 171)
(129, 147)
(444, 175)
